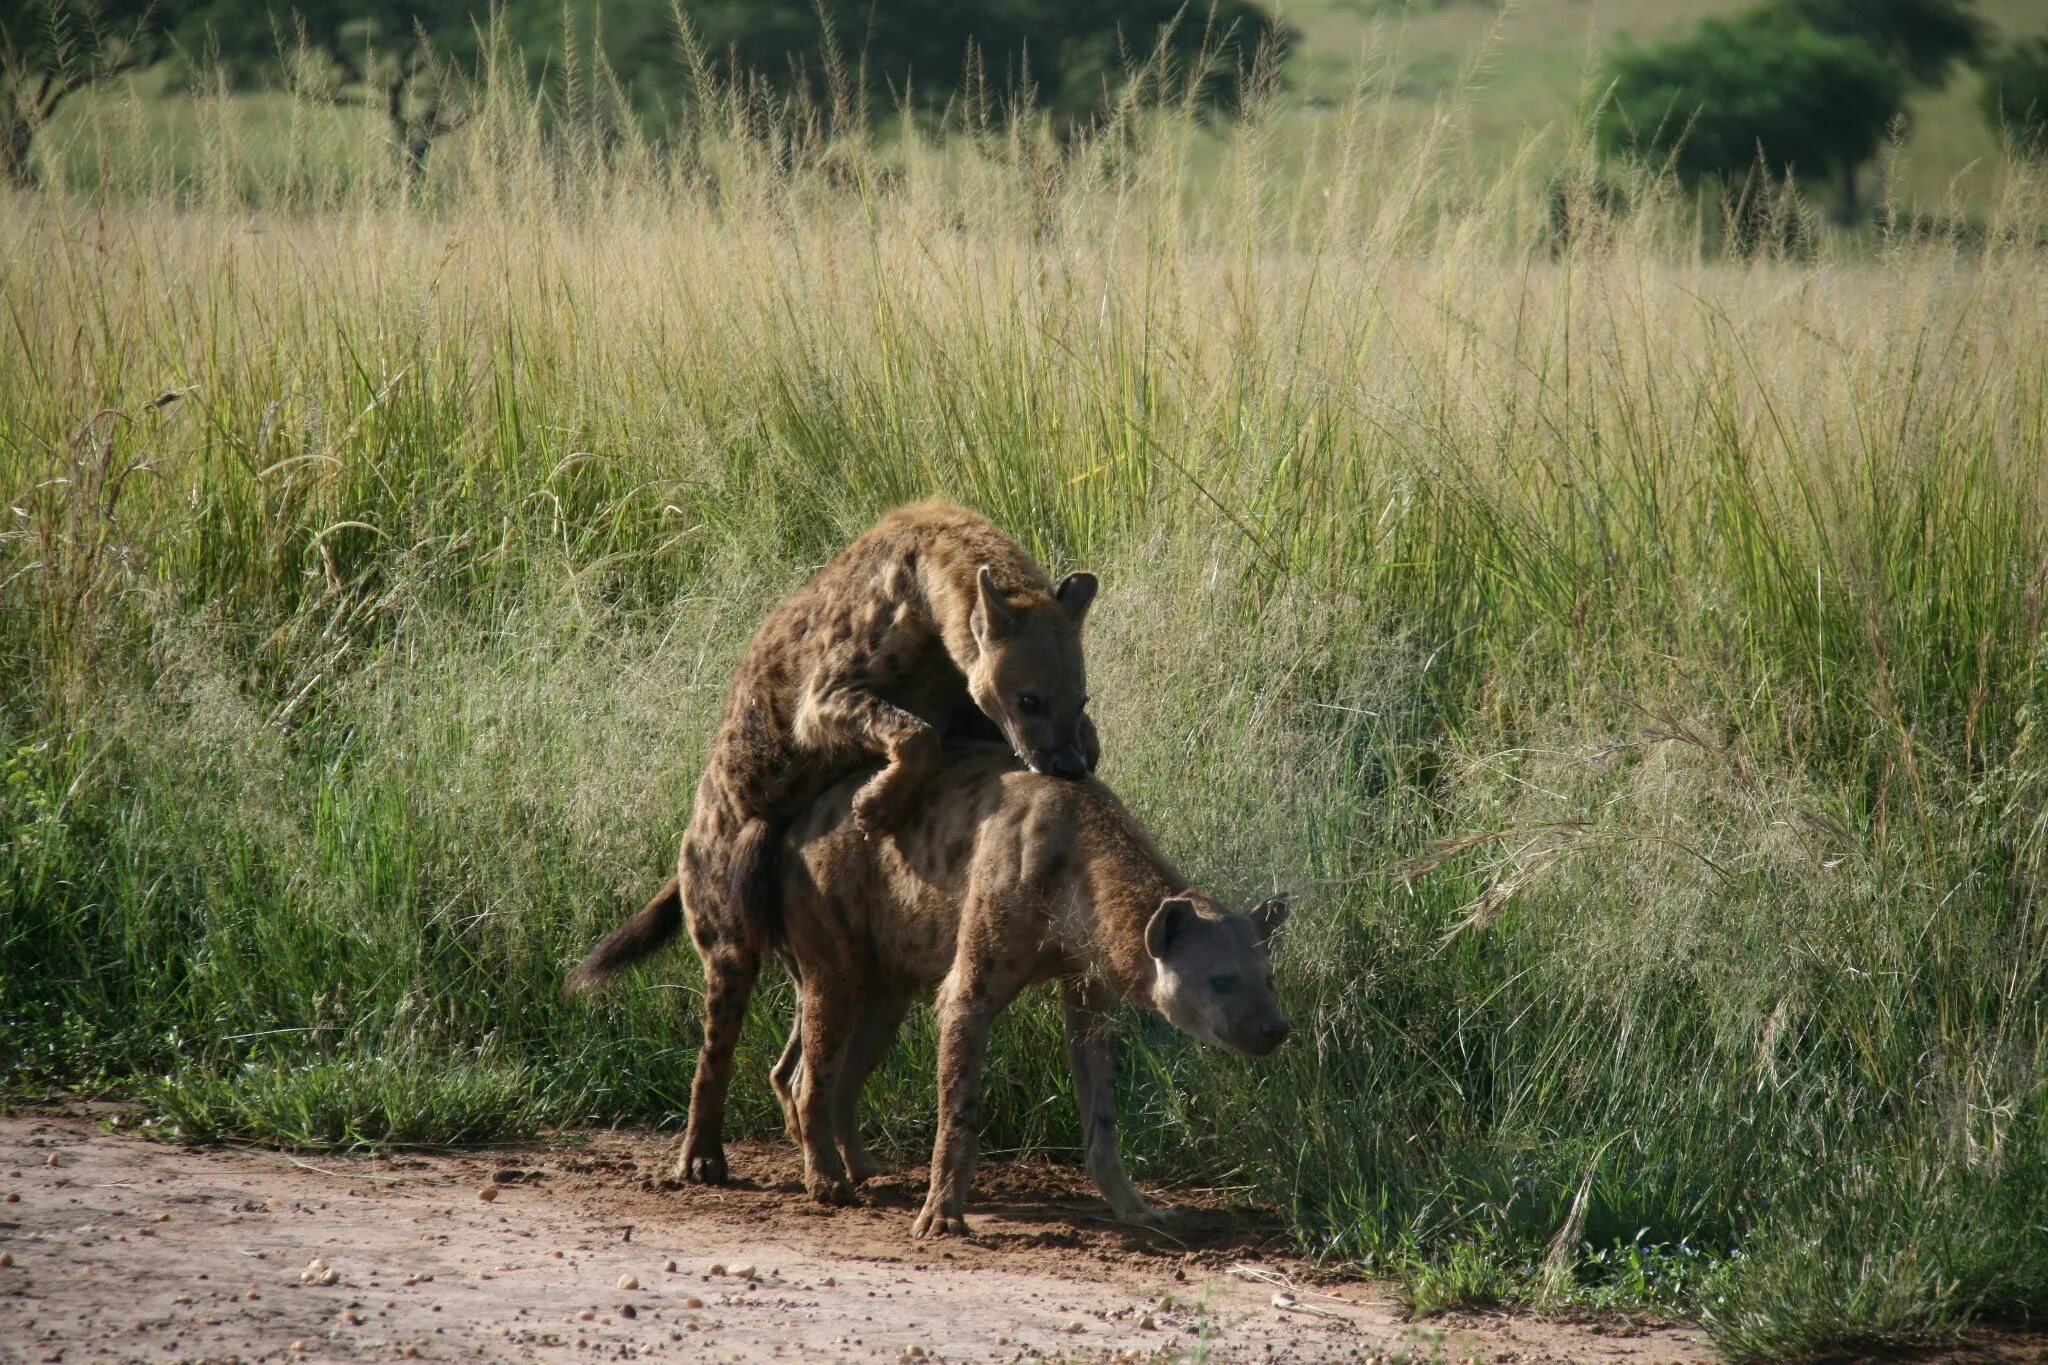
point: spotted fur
(1007, 879)
(933, 622)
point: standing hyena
(927, 617)
(1007, 879)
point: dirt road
(123, 1249)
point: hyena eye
(1223, 983)
(1029, 703)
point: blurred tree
(401, 54)
(1923, 39)
(49, 49)
(2016, 96)
(1759, 90)
(1072, 59)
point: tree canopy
(1761, 89)
(1923, 39)
(1074, 57)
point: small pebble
(6, 1259)
(351, 1318)
(717, 1268)
(52, 1161)
(628, 1282)
(487, 1193)
(670, 1268)
(693, 1302)
(587, 1315)
(13, 1198)
(1074, 1328)
(913, 1352)
(627, 1310)
(160, 1218)
(1146, 1323)
(743, 1272)
(299, 1345)
(829, 1282)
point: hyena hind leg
(880, 1016)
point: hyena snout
(1063, 761)
(1270, 1035)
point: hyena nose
(1067, 762)
(1275, 1031)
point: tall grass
(1630, 656)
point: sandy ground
(123, 1249)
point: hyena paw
(703, 1168)
(1144, 1216)
(933, 1223)
(878, 805)
(830, 1189)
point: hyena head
(1213, 977)
(1028, 677)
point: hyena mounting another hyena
(1008, 879)
(928, 623)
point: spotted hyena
(933, 622)
(1005, 880)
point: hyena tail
(644, 935)
(752, 893)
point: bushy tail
(751, 890)
(644, 935)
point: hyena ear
(1174, 914)
(993, 617)
(1268, 916)
(1076, 592)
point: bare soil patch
(124, 1249)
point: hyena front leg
(845, 713)
(1090, 1054)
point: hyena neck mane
(948, 573)
(1126, 880)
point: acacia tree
(400, 55)
(1761, 89)
(51, 49)
(2016, 96)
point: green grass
(1632, 660)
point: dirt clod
(487, 1193)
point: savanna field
(1628, 654)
